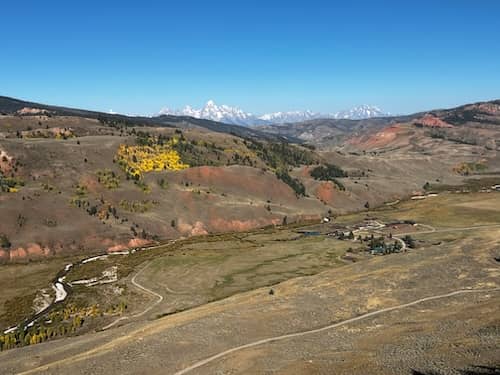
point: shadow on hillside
(473, 370)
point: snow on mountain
(293, 116)
(361, 112)
(234, 115)
(212, 111)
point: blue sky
(263, 56)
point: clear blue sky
(136, 57)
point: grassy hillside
(74, 181)
(73, 184)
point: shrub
(339, 184)
(162, 183)
(294, 183)
(410, 242)
(108, 179)
(327, 172)
(4, 242)
(136, 206)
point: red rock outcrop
(432, 122)
(31, 251)
(134, 242)
(196, 229)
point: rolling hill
(130, 181)
(473, 118)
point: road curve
(277, 338)
(331, 326)
(142, 287)
(445, 230)
(403, 244)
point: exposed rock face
(488, 108)
(31, 251)
(31, 111)
(432, 122)
(6, 162)
(134, 242)
(196, 229)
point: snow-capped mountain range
(234, 115)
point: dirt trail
(331, 326)
(434, 230)
(143, 288)
(218, 307)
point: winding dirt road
(361, 317)
(143, 288)
(331, 326)
(118, 341)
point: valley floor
(433, 309)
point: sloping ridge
(339, 130)
(10, 105)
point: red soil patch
(31, 251)
(306, 171)
(197, 229)
(223, 225)
(245, 181)
(90, 182)
(326, 192)
(432, 122)
(134, 242)
(380, 139)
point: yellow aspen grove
(137, 160)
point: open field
(446, 210)
(219, 269)
(449, 332)
(216, 267)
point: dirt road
(331, 326)
(143, 288)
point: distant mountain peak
(212, 111)
(291, 116)
(360, 112)
(234, 115)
